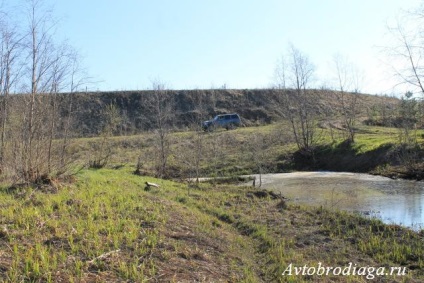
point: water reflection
(393, 201)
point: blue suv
(228, 121)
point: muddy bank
(387, 160)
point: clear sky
(207, 43)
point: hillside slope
(190, 107)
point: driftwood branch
(148, 184)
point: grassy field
(235, 152)
(107, 226)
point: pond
(393, 201)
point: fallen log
(148, 184)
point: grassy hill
(190, 107)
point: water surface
(393, 201)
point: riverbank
(392, 201)
(386, 159)
(108, 226)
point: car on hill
(227, 121)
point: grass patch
(106, 227)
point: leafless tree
(408, 151)
(11, 44)
(298, 106)
(48, 70)
(257, 148)
(39, 46)
(162, 110)
(61, 73)
(407, 52)
(347, 80)
(408, 113)
(33, 64)
(191, 153)
(329, 114)
(215, 145)
(103, 150)
(280, 73)
(76, 78)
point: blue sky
(127, 44)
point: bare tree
(215, 144)
(76, 79)
(103, 150)
(191, 153)
(10, 70)
(408, 112)
(280, 73)
(161, 106)
(257, 146)
(61, 76)
(407, 51)
(32, 63)
(49, 70)
(298, 106)
(39, 56)
(347, 79)
(329, 114)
